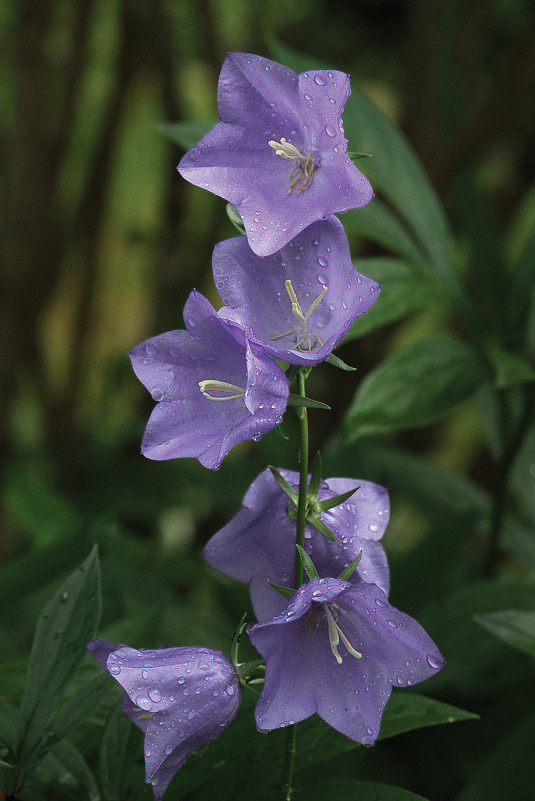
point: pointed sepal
(287, 488)
(286, 591)
(337, 362)
(329, 503)
(348, 571)
(308, 564)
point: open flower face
(336, 650)
(300, 302)
(181, 698)
(279, 153)
(259, 542)
(214, 388)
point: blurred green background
(101, 243)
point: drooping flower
(300, 302)
(214, 388)
(181, 698)
(337, 649)
(258, 543)
(279, 153)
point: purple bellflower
(214, 388)
(181, 698)
(299, 303)
(279, 153)
(337, 649)
(258, 543)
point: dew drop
(168, 748)
(323, 262)
(191, 714)
(320, 80)
(143, 702)
(321, 278)
(380, 603)
(114, 670)
(373, 527)
(330, 130)
(392, 624)
(308, 97)
(151, 348)
(157, 395)
(433, 662)
(144, 674)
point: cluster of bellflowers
(330, 641)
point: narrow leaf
(348, 571)
(286, 591)
(298, 400)
(316, 521)
(315, 478)
(514, 626)
(66, 624)
(337, 362)
(329, 503)
(287, 488)
(308, 564)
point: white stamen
(335, 634)
(285, 149)
(213, 385)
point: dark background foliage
(101, 243)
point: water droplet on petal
(143, 702)
(320, 80)
(433, 662)
(168, 748)
(323, 262)
(330, 130)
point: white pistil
(306, 341)
(335, 634)
(285, 149)
(301, 175)
(213, 385)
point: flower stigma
(305, 341)
(320, 614)
(301, 175)
(209, 385)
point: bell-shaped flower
(279, 153)
(214, 388)
(337, 649)
(298, 303)
(181, 698)
(258, 544)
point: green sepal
(284, 485)
(348, 571)
(286, 591)
(315, 478)
(309, 403)
(235, 218)
(337, 362)
(308, 564)
(354, 155)
(320, 526)
(328, 503)
(280, 432)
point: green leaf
(299, 401)
(403, 291)
(287, 488)
(336, 362)
(513, 626)
(377, 223)
(65, 761)
(120, 739)
(8, 723)
(308, 565)
(66, 625)
(415, 386)
(185, 134)
(348, 571)
(342, 791)
(286, 591)
(511, 369)
(329, 503)
(315, 477)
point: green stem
(301, 523)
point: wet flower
(337, 649)
(300, 302)
(214, 388)
(181, 698)
(258, 543)
(279, 153)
